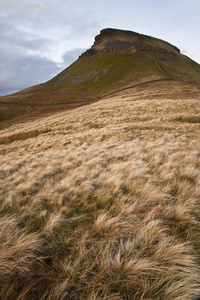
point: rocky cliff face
(115, 41)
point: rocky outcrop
(110, 32)
(115, 41)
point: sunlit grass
(103, 202)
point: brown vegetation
(22, 135)
(117, 61)
(103, 202)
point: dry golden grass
(103, 202)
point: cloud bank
(38, 39)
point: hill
(118, 60)
(102, 202)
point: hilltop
(118, 60)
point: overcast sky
(40, 38)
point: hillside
(118, 60)
(102, 202)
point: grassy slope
(181, 68)
(94, 77)
(110, 72)
(104, 207)
(122, 69)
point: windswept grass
(105, 204)
(23, 135)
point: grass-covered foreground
(103, 202)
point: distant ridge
(118, 60)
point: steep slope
(117, 60)
(102, 202)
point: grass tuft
(102, 209)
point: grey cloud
(19, 72)
(49, 15)
(13, 37)
(29, 33)
(21, 61)
(41, 14)
(70, 56)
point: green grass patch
(179, 69)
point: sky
(40, 38)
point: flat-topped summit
(117, 41)
(111, 32)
